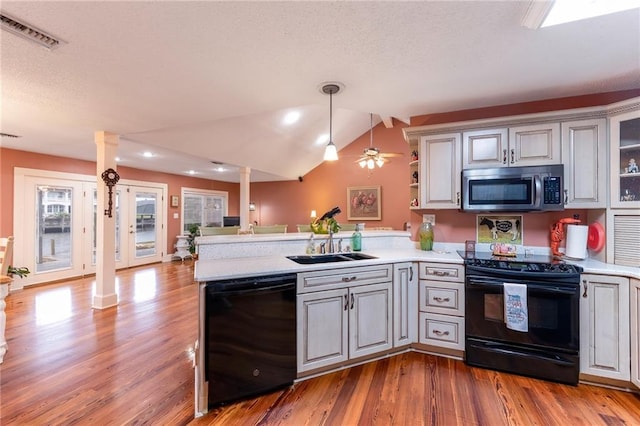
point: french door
(55, 217)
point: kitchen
(274, 200)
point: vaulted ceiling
(208, 81)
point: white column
(245, 175)
(105, 296)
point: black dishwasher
(250, 336)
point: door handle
(352, 300)
(504, 156)
(513, 156)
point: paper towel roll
(577, 241)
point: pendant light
(330, 152)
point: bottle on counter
(356, 239)
(426, 236)
(311, 245)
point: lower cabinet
(338, 325)
(441, 305)
(635, 332)
(604, 326)
(405, 308)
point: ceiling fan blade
(390, 154)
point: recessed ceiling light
(322, 139)
(219, 169)
(191, 172)
(147, 154)
(291, 117)
(117, 158)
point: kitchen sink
(329, 258)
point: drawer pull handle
(349, 279)
(440, 333)
(441, 273)
(440, 299)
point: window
(203, 207)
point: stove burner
(516, 265)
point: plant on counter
(20, 271)
(323, 226)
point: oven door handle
(492, 284)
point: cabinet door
(322, 329)
(584, 155)
(440, 165)
(604, 326)
(625, 160)
(405, 304)
(534, 145)
(485, 148)
(635, 332)
(369, 319)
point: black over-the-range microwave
(513, 189)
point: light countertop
(217, 269)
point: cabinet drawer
(441, 330)
(343, 277)
(441, 272)
(442, 297)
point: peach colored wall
(326, 186)
(9, 159)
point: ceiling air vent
(8, 135)
(29, 32)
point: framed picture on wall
(364, 203)
(175, 201)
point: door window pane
(54, 233)
(145, 224)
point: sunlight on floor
(53, 306)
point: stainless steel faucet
(330, 241)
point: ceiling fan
(371, 156)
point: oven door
(553, 311)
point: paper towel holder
(558, 234)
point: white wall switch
(176, 215)
(429, 218)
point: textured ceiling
(204, 81)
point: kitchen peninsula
(341, 306)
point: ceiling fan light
(380, 162)
(330, 152)
(363, 163)
(370, 163)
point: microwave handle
(537, 183)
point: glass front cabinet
(625, 157)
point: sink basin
(358, 256)
(329, 258)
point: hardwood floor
(68, 364)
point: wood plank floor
(70, 365)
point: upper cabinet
(625, 155)
(530, 145)
(440, 169)
(584, 154)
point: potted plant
(20, 271)
(193, 233)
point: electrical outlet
(429, 218)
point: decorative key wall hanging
(110, 178)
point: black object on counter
(331, 213)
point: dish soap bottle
(311, 246)
(426, 236)
(356, 239)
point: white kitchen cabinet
(604, 327)
(635, 332)
(584, 155)
(625, 155)
(322, 329)
(441, 306)
(528, 145)
(405, 308)
(534, 145)
(339, 324)
(440, 167)
(485, 148)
